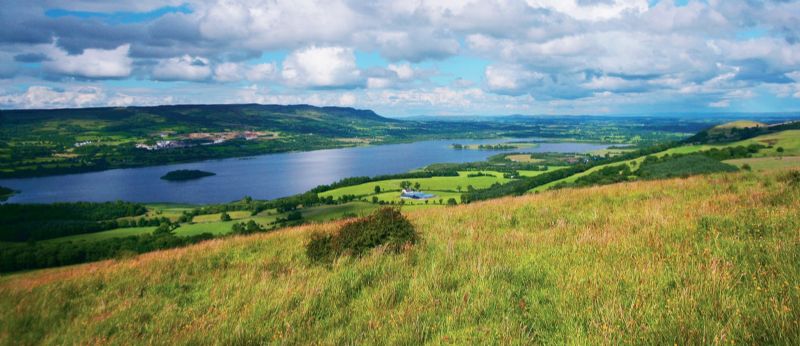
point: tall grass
(703, 260)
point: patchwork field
(434, 184)
(788, 140)
(703, 260)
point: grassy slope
(767, 163)
(440, 186)
(703, 260)
(789, 140)
(211, 223)
(740, 124)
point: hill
(739, 124)
(60, 141)
(702, 260)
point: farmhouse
(410, 194)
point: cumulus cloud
(45, 97)
(42, 97)
(321, 67)
(592, 10)
(562, 54)
(235, 72)
(92, 63)
(511, 79)
(187, 68)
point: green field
(235, 215)
(788, 140)
(211, 223)
(114, 233)
(434, 185)
(703, 260)
(767, 163)
(535, 173)
(338, 211)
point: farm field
(767, 163)
(535, 173)
(788, 140)
(522, 158)
(437, 184)
(718, 267)
(114, 233)
(211, 223)
(235, 215)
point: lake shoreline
(265, 176)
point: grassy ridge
(789, 140)
(702, 260)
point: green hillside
(703, 260)
(788, 141)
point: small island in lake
(186, 174)
(5, 193)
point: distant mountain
(214, 116)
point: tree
(417, 186)
(225, 217)
(470, 188)
(747, 167)
(377, 189)
(458, 188)
(779, 149)
(164, 228)
(451, 201)
(405, 184)
(374, 199)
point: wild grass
(788, 140)
(767, 163)
(450, 184)
(703, 260)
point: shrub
(792, 178)
(387, 227)
(320, 247)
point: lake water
(261, 177)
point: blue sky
(400, 58)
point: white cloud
(378, 83)
(600, 10)
(403, 71)
(510, 79)
(261, 72)
(45, 97)
(268, 24)
(92, 63)
(347, 99)
(235, 72)
(227, 72)
(186, 68)
(321, 67)
(724, 103)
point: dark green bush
(387, 227)
(320, 247)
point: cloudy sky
(406, 57)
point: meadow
(702, 260)
(788, 141)
(436, 185)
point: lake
(261, 177)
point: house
(411, 194)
